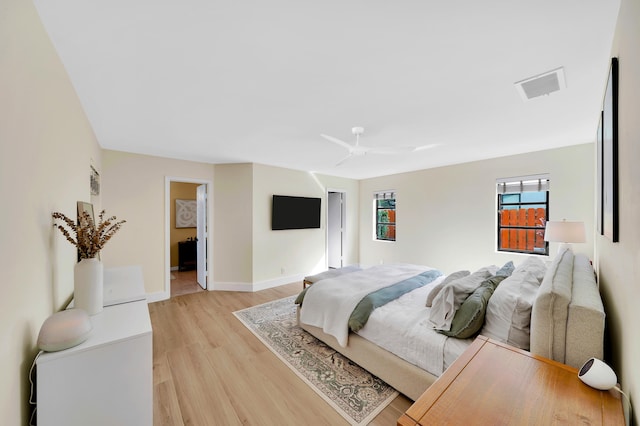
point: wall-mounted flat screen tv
(289, 212)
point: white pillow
(447, 302)
(435, 290)
(535, 265)
(508, 316)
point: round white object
(597, 374)
(64, 329)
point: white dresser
(108, 379)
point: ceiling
(259, 81)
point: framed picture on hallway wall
(610, 155)
(186, 213)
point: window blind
(514, 185)
(384, 195)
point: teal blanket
(361, 313)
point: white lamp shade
(565, 232)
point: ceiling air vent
(542, 84)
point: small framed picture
(94, 181)
(186, 213)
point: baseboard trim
(157, 296)
(257, 286)
(277, 282)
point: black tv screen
(295, 212)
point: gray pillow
(451, 297)
(506, 270)
(469, 318)
(451, 277)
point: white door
(335, 229)
(201, 234)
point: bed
(552, 310)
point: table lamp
(565, 233)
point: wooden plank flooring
(210, 370)
(184, 282)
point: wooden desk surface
(495, 384)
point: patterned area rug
(352, 391)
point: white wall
(446, 217)
(292, 254)
(232, 226)
(351, 189)
(619, 263)
(247, 254)
(134, 190)
(46, 148)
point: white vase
(87, 285)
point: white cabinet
(106, 380)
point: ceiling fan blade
(391, 149)
(344, 159)
(337, 141)
(425, 147)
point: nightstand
(492, 383)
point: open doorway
(187, 236)
(335, 228)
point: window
(523, 211)
(385, 215)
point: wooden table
(492, 383)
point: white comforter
(328, 303)
(401, 327)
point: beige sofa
(567, 325)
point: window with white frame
(384, 204)
(523, 211)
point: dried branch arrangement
(88, 238)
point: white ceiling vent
(542, 84)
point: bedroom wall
(246, 254)
(351, 188)
(290, 254)
(283, 256)
(46, 148)
(232, 225)
(618, 264)
(134, 190)
(446, 217)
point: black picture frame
(610, 156)
(599, 181)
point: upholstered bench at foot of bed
(331, 273)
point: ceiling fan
(358, 150)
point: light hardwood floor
(210, 370)
(184, 282)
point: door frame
(343, 213)
(202, 236)
(167, 229)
